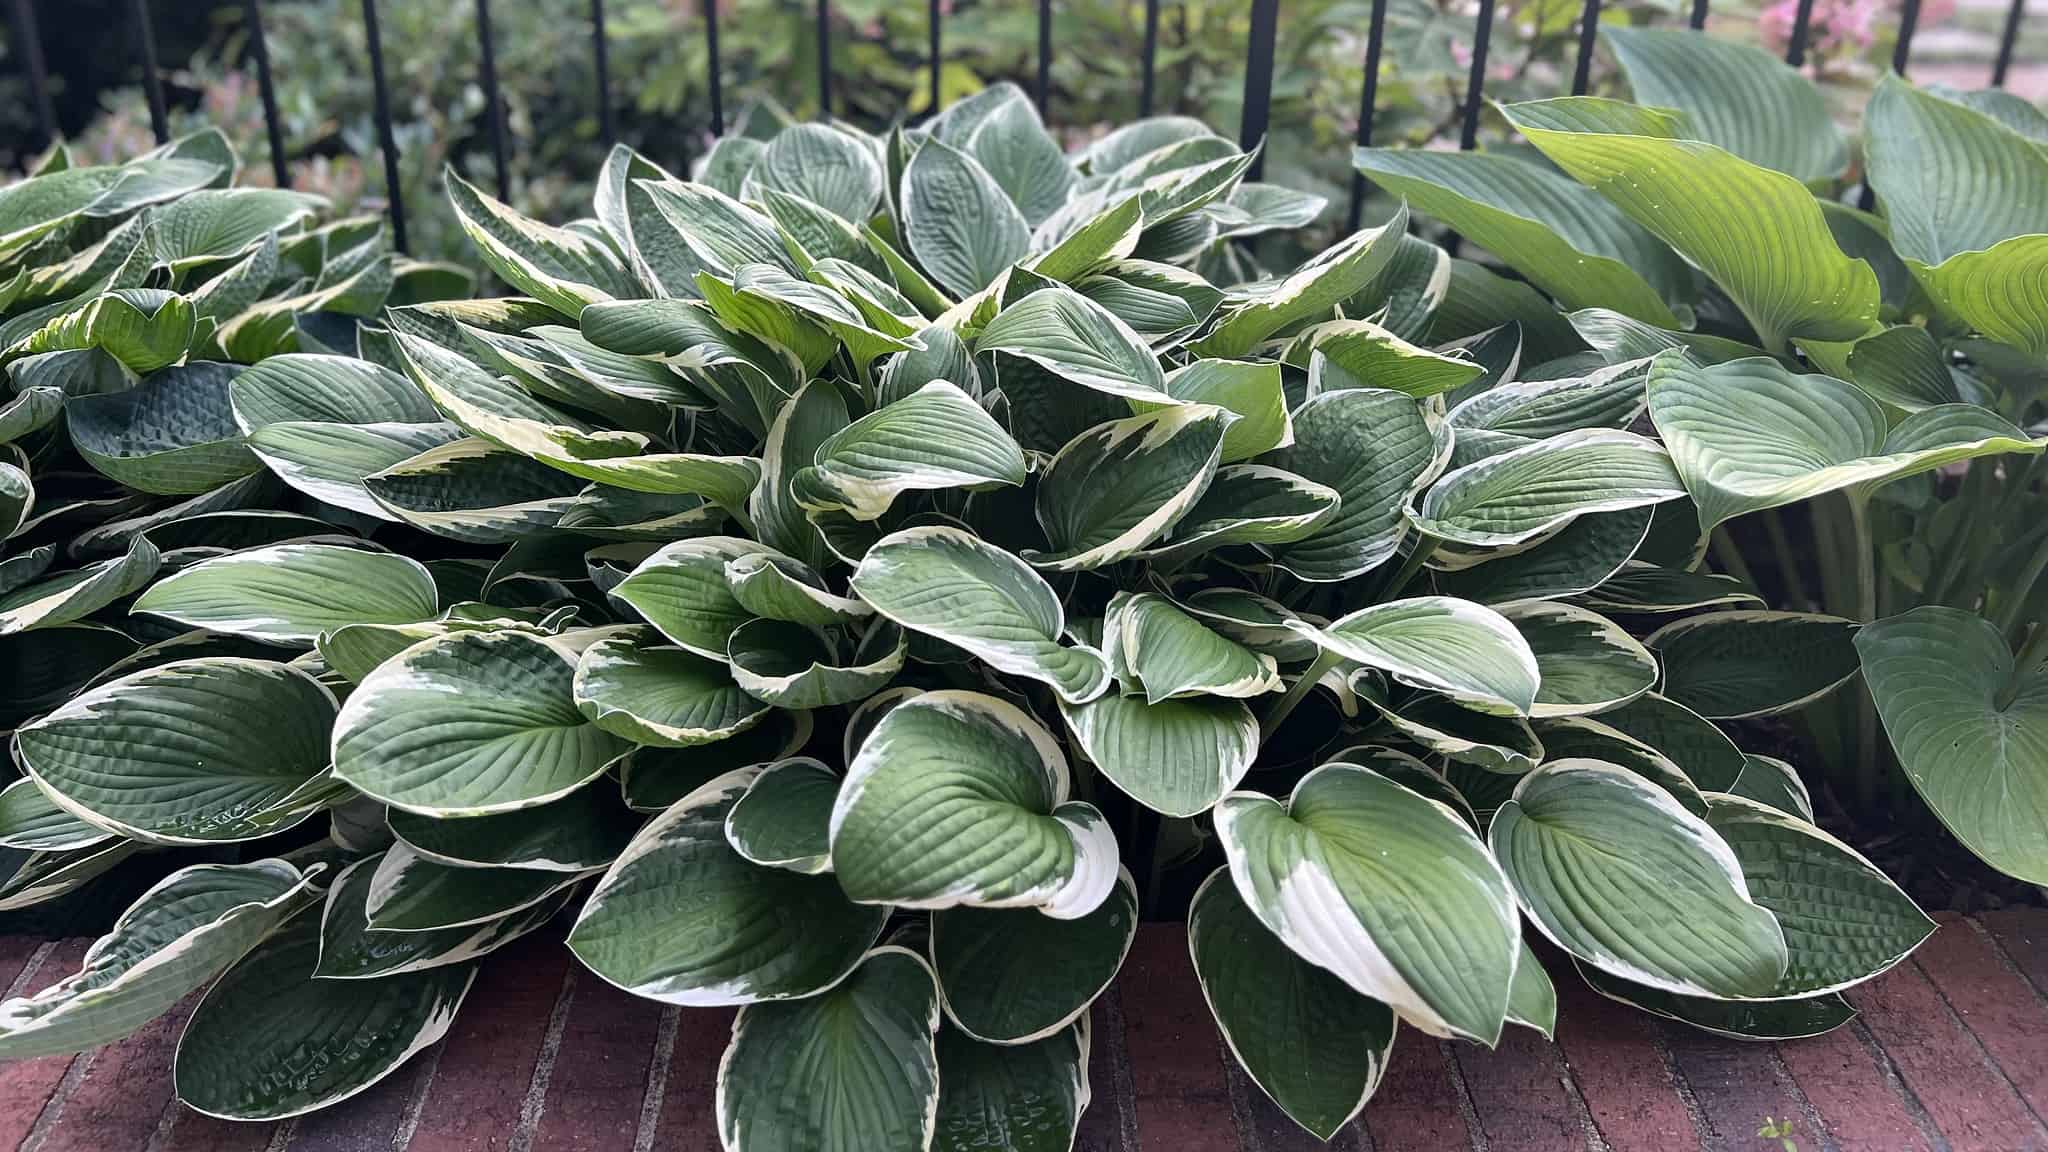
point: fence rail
(1258, 78)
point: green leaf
(470, 490)
(1728, 665)
(651, 693)
(1734, 1019)
(780, 588)
(1565, 238)
(720, 232)
(32, 408)
(790, 666)
(1520, 495)
(1648, 589)
(1172, 654)
(175, 434)
(1021, 156)
(934, 439)
(853, 1067)
(824, 165)
(1775, 784)
(1758, 234)
(213, 223)
(806, 422)
(682, 590)
(1118, 487)
(580, 832)
(1015, 976)
(328, 389)
(1177, 757)
(410, 893)
(1588, 738)
(1251, 391)
(1027, 1097)
(1472, 654)
(1249, 504)
(1691, 741)
(1609, 397)
(146, 329)
(684, 919)
(946, 584)
(1618, 873)
(191, 752)
(175, 938)
(562, 268)
(960, 225)
(1313, 1045)
(507, 733)
(1586, 662)
(1735, 95)
(1502, 744)
(1360, 354)
(1844, 920)
(1968, 727)
(1309, 292)
(1388, 890)
(784, 819)
(291, 593)
(351, 950)
(1532, 1001)
(652, 779)
(1375, 448)
(960, 798)
(1749, 435)
(269, 1042)
(31, 821)
(1078, 340)
(1905, 367)
(1580, 559)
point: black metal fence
(1258, 77)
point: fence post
(2006, 40)
(1258, 82)
(1150, 59)
(1475, 83)
(1368, 97)
(1699, 15)
(938, 60)
(152, 77)
(271, 124)
(386, 139)
(1589, 29)
(1044, 57)
(1802, 21)
(494, 105)
(601, 60)
(710, 10)
(824, 59)
(30, 43)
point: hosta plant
(829, 568)
(1857, 395)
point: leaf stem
(1864, 556)
(1788, 560)
(1425, 547)
(1729, 557)
(2032, 653)
(1271, 721)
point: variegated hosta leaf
(1249, 504)
(1580, 559)
(1749, 435)
(1532, 1002)
(1689, 740)
(959, 798)
(856, 1066)
(780, 588)
(1728, 665)
(638, 689)
(1774, 784)
(791, 666)
(583, 831)
(1374, 448)
(720, 232)
(351, 950)
(784, 819)
(327, 389)
(410, 893)
(949, 585)
(30, 821)
(291, 593)
(564, 269)
(682, 590)
(1078, 340)
(173, 435)
(1648, 589)
(1118, 487)
(1586, 663)
(191, 752)
(684, 919)
(1177, 757)
(1303, 1036)
(1014, 976)
(1586, 738)
(33, 878)
(471, 490)
(1968, 726)
(1733, 1019)
(652, 779)
(1607, 397)
(1172, 654)
(270, 1042)
(332, 462)
(825, 165)
(1519, 495)
(1028, 1097)
(958, 222)
(1844, 921)
(933, 439)
(1389, 890)
(17, 498)
(1737, 96)
(507, 732)
(173, 939)
(1309, 292)
(1503, 744)
(1250, 390)
(1619, 874)
(1343, 354)
(1469, 653)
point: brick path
(1950, 1054)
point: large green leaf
(825, 165)
(1691, 741)
(1970, 729)
(1735, 95)
(1390, 891)
(563, 268)
(1470, 653)
(1249, 504)
(1014, 976)
(351, 950)
(213, 223)
(190, 752)
(1749, 434)
(684, 919)
(1618, 873)
(650, 693)
(1120, 486)
(410, 893)
(959, 798)
(1309, 292)
(468, 489)
(1078, 340)
(1305, 1038)
(1024, 1097)
(1520, 495)
(173, 435)
(791, 666)
(1728, 665)
(949, 585)
(933, 439)
(1757, 233)
(1563, 237)
(292, 593)
(1178, 757)
(270, 1042)
(855, 1067)
(1374, 448)
(1173, 654)
(32, 822)
(175, 938)
(1586, 663)
(506, 733)
(682, 590)
(784, 820)
(959, 223)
